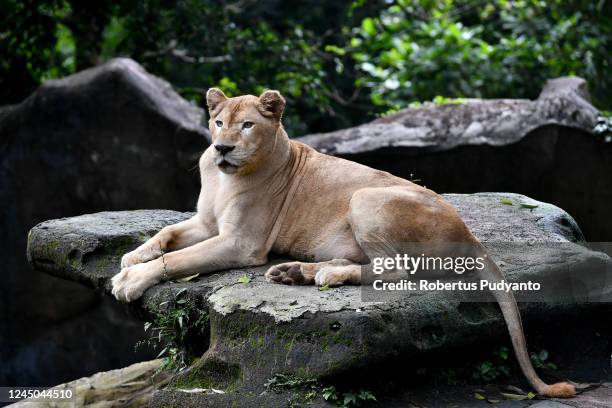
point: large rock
(542, 148)
(128, 387)
(258, 329)
(111, 137)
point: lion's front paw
(131, 282)
(129, 259)
(139, 255)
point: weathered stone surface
(172, 398)
(88, 248)
(600, 397)
(497, 122)
(542, 148)
(258, 329)
(463, 397)
(128, 387)
(108, 138)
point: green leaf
(147, 325)
(530, 206)
(349, 398)
(229, 87)
(244, 279)
(161, 353)
(543, 355)
(479, 396)
(506, 201)
(335, 49)
(368, 26)
(324, 287)
(329, 393)
(366, 395)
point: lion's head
(243, 129)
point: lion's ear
(273, 103)
(214, 96)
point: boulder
(128, 387)
(258, 329)
(111, 137)
(542, 148)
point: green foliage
(115, 33)
(312, 388)
(498, 366)
(338, 63)
(170, 330)
(244, 279)
(347, 399)
(417, 49)
(247, 47)
(28, 46)
(494, 368)
(603, 128)
(305, 389)
(283, 381)
(539, 360)
(437, 100)
(449, 376)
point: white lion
(263, 193)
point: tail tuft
(560, 390)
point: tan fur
(270, 194)
(560, 390)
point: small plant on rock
(312, 388)
(170, 330)
(493, 369)
(347, 399)
(539, 360)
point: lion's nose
(223, 149)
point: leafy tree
(417, 49)
(27, 46)
(339, 63)
(47, 39)
(248, 46)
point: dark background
(339, 64)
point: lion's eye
(247, 125)
(219, 123)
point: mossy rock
(258, 329)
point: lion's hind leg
(333, 273)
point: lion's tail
(510, 311)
